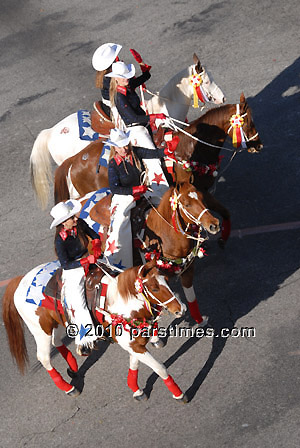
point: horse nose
(214, 228)
(224, 99)
(182, 310)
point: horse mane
(213, 116)
(175, 80)
(126, 280)
(164, 206)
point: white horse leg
(43, 346)
(162, 372)
(193, 306)
(57, 335)
(132, 379)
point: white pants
(139, 136)
(118, 247)
(73, 296)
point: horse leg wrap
(226, 228)
(132, 380)
(59, 381)
(173, 388)
(72, 363)
(194, 311)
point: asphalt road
(242, 391)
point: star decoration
(119, 265)
(72, 311)
(158, 178)
(83, 331)
(112, 247)
(88, 132)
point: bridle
(175, 205)
(236, 124)
(200, 92)
(244, 136)
(143, 291)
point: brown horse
(210, 132)
(133, 303)
(80, 172)
(173, 233)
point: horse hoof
(159, 344)
(72, 373)
(142, 397)
(204, 322)
(221, 243)
(73, 392)
(183, 399)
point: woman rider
(71, 242)
(128, 115)
(124, 175)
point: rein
(246, 138)
(142, 293)
(176, 217)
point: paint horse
(62, 141)
(200, 145)
(134, 301)
(173, 234)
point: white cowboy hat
(105, 55)
(118, 138)
(64, 210)
(121, 70)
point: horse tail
(61, 189)
(14, 325)
(40, 167)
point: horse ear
(197, 63)
(177, 186)
(147, 267)
(242, 98)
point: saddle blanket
(35, 291)
(85, 129)
(85, 211)
(104, 157)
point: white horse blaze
(193, 195)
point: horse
(62, 141)
(200, 144)
(134, 300)
(173, 234)
(74, 177)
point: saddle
(95, 289)
(95, 292)
(101, 213)
(52, 293)
(100, 122)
